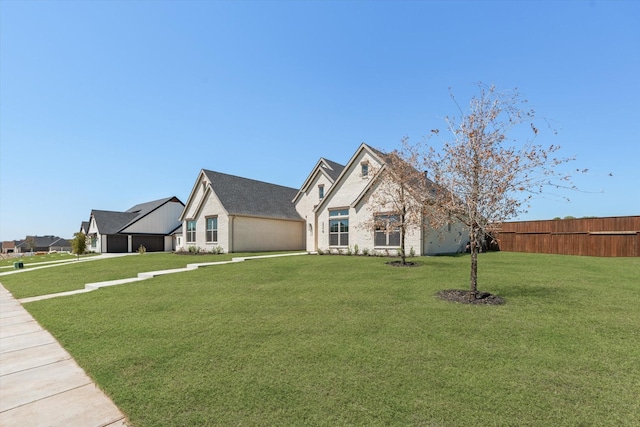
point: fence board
(605, 237)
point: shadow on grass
(531, 291)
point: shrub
(142, 250)
(365, 251)
(356, 249)
(193, 250)
(349, 251)
(412, 252)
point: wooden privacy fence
(612, 236)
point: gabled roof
(38, 241)
(61, 242)
(112, 222)
(330, 169)
(363, 147)
(244, 196)
(333, 169)
(85, 226)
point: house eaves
(373, 152)
(330, 169)
(111, 222)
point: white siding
(209, 207)
(161, 221)
(305, 205)
(350, 186)
(446, 240)
(93, 228)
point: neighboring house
(9, 247)
(36, 244)
(339, 215)
(84, 227)
(240, 215)
(148, 224)
(329, 212)
(60, 245)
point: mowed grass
(72, 276)
(337, 340)
(34, 260)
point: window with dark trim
(387, 232)
(321, 191)
(191, 231)
(339, 227)
(212, 229)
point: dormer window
(321, 191)
(364, 170)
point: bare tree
(484, 178)
(399, 193)
(30, 243)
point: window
(321, 191)
(364, 171)
(191, 231)
(387, 231)
(212, 229)
(339, 227)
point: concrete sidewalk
(40, 384)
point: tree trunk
(402, 251)
(474, 266)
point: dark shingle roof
(145, 208)
(243, 196)
(336, 169)
(61, 243)
(38, 241)
(110, 222)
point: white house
(238, 214)
(148, 224)
(330, 211)
(340, 216)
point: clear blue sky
(106, 104)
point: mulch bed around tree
(400, 264)
(482, 298)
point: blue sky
(106, 104)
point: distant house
(9, 247)
(329, 212)
(148, 224)
(240, 215)
(37, 244)
(60, 245)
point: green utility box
(18, 264)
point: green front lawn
(34, 260)
(72, 276)
(337, 340)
